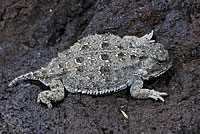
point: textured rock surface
(33, 32)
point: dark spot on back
(60, 65)
(79, 59)
(84, 47)
(104, 45)
(108, 79)
(80, 69)
(120, 47)
(105, 69)
(91, 76)
(104, 57)
(120, 55)
(133, 57)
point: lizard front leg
(137, 91)
(55, 94)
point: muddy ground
(32, 32)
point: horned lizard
(101, 64)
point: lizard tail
(27, 76)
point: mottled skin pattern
(100, 64)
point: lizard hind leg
(55, 94)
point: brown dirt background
(32, 32)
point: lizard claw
(157, 95)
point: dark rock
(33, 32)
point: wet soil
(32, 32)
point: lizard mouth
(158, 73)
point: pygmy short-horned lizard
(101, 64)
